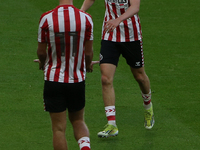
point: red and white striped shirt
(128, 30)
(65, 29)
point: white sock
(84, 142)
(110, 114)
(147, 100)
(147, 106)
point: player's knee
(78, 123)
(140, 78)
(58, 128)
(105, 80)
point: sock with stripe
(84, 143)
(110, 114)
(147, 100)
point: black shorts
(131, 51)
(61, 96)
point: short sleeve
(89, 28)
(42, 30)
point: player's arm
(130, 12)
(87, 4)
(42, 54)
(88, 55)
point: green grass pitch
(171, 38)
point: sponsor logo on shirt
(118, 1)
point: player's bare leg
(144, 83)
(142, 79)
(107, 75)
(58, 128)
(78, 123)
(81, 132)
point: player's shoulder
(85, 13)
(46, 13)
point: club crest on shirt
(118, 1)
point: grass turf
(171, 48)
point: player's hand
(36, 60)
(111, 25)
(94, 62)
(41, 67)
(90, 68)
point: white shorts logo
(137, 64)
(100, 57)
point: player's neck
(66, 2)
